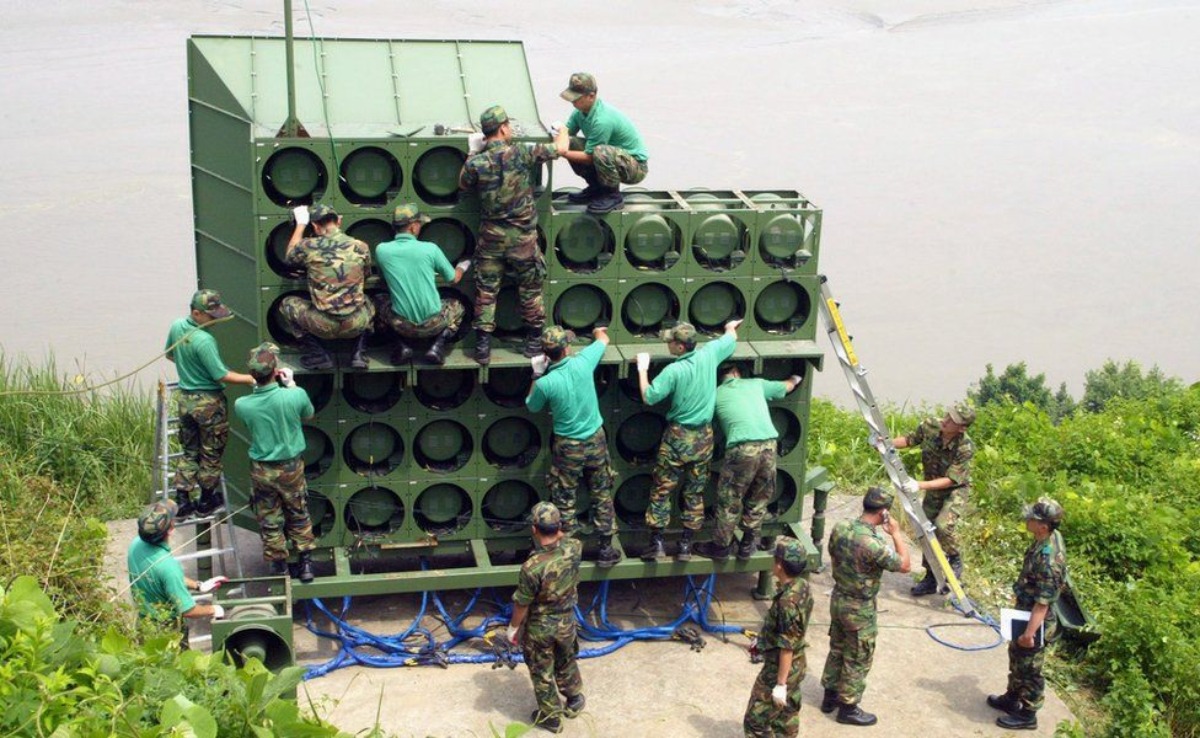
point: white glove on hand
(286, 376)
(511, 634)
(910, 487)
(874, 441)
(463, 265)
(555, 127)
(218, 612)
(209, 585)
(301, 215)
(796, 380)
(643, 362)
(539, 363)
(779, 695)
(732, 325)
(476, 142)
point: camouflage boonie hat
(1045, 510)
(155, 521)
(791, 551)
(209, 303)
(556, 337)
(962, 414)
(406, 214)
(877, 498)
(318, 213)
(264, 358)
(492, 119)
(682, 332)
(546, 515)
(581, 84)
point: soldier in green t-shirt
(544, 602)
(611, 151)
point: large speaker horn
(255, 631)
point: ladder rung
(207, 553)
(193, 640)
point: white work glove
(209, 585)
(286, 376)
(875, 441)
(555, 127)
(511, 634)
(643, 362)
(476, 142)
(732, 325)
(218, 612)
(910, 487)
(796, 380)
(779, 695)
(463, 265)
(539, 363)
(301, 215)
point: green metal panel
(579, 304)
(782, 308)
(583, 245)
(720, 231)
(787, 233)
(646, 305)
(654, 225)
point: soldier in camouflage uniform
(503, 174)
(336, 266)
(580, 448)
(544, 603)
(200, 404)
(687, 443)
(747, 481)
(946, 452)
(1037, 589)
(774, 708)
(858, 555)
(272, 413)
(611, 151)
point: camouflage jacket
(337, 267)
(504, 174)
(858, 555)
(549, 579)
(787, 619)
(939, 459)
(1043, 575)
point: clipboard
(1013, 624)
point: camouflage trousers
(744, 489)
(574, 461)
(447, 319)
(203, 431)
(280, 503)
(550, 648)
(683, 456)
(512, 249)
(851, 649)
(300, 318)
(610, 167)
(763, 719)
(1025, 681)
(944, 508)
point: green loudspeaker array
(787, 233)
(719, 234)
(782, 308)
(645, 306)
(257, 622)
(445, 509)
(292, 172)
(654, 225)
(325, 510)
(371, 173)
(583, 245)
(580, 304)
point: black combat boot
(279, 568)
(1006, 702)
(587, 193)
(401, 353)
(926, 586)
(655, 550)
(315, 357)
(437, 352)
(358, 360)
(1018, 720)
(606, 202)
(533, 342)
(855, 715)
(606, 558)
(185, 508)
(548, 723)
(483, 347)
(210, 502)
(713, 550)
(575, 705)
(304, 570)
(685, 546)
(829, 702)
(748, 545)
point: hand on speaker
(540, 363)
(643, 362)
(301, 215)
(463, 266)
(209, 585)
(218, 612)
(476, 142)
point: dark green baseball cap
(492, 119)
(155, 521)
(878, 498)
(556, 337)
(962, 414)
(1045, 510)
(405, 214)
(681, 332)
(209, 303)
(264, 358)
(319, 213)
(791, 551)
(581, 84)
(546, 515)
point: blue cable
(975, 614)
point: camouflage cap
(492, 119)
(962, 414)
(155, 521)
(791, 551)
(405, 214)
(682, 332)
(556, 337)
(209, 303)
(1045, 510)
(877, 498)
(546, 515)
(264, 358)
(581, 84)
(318, 213)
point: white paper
(1007, 616)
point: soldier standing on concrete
(946, 452)
(774, 708)
(545, 604)
(412, 306)
(503, 173)
(687, 443)
(1038, 587)
(747, 480)
(273, 413)
(336, 266)
(580, 448)
(200, 405)
(611, 152)
(858, 555)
